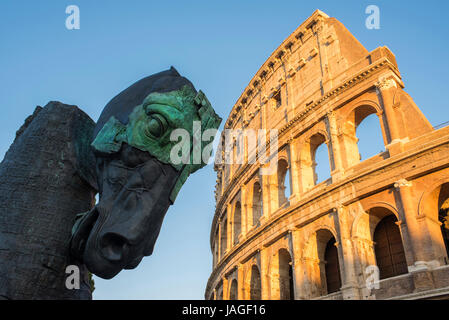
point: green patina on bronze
(152, 122)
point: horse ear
(174, 71)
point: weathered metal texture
(46, 178)
(138, 177)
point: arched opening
(435, 205)
(363, 137)
(237, 222)
(223, 238)
(283, 182)
(443, 216)
(369, 137)
(257, 204)
(233, 293)
(332, 267)
(389, 251)
(314, 161)
(321, 162)
(286, 287)
(255, 292)
(323, 263)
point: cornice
(273, 62)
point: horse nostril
(113, 246)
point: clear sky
(218, 45)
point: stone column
(274, 192)
(229, 228)
(386, 89)
(312, 286)
(408, 225)
(294, 171)
(334, 146)
(219, 240)
(249, 215)
(417, 239)
(346, 254)
(265, 198)
(244, 213)
(348, 148)
(296, 245)
(225, 288)
(416, 233)
(240, 283)
(264, 276)
(307, 174)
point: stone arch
(283, 181)
(364, 225)
(237, 222)
(351, 121)
(371, 103)
(256, 203)
(307, 155)
(389, 250)
(363, 233)
(224, 236)
(434, 204)
(286, 286)
(430, 196)
(332, 267)
(215, 247)
(280, 275)
(314, 257)
(255, 283)
(233, 290)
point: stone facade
(325, 240)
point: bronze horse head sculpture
(137, 176)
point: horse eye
(157, 125)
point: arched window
(257, 204)
(369, 137)
(362, 135)
(224, 237)
(389, 251)
(332, 267)
(233, 293)
(321, 163)
(237, 222)
(315, 166)
(286, 287)
(255, 284)
(283, 182)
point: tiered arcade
(322, 240)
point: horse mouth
(81, 235)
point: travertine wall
(316, 88)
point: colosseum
(377, 228)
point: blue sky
(218, 45)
